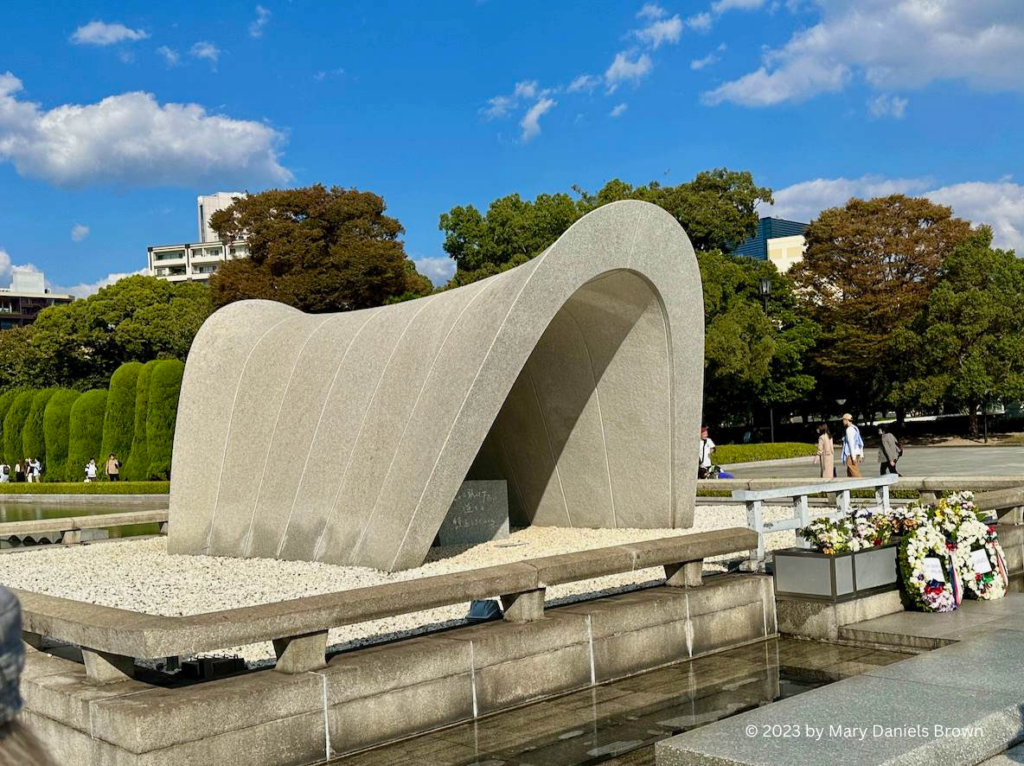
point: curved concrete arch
(343, 438)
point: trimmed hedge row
(64, 429)
(726, 454)
(96, 488)
(57, 429)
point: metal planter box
(807, 574)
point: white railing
(840, 489)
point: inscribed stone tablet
(478, 514)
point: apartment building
(197, 261)
(21, 303)
(778, 241)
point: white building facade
(197, 261)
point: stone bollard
(689, 574)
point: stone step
(959, 704)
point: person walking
(19, 472)
(113, 468)
(888, 452)
(35, 470)
(28, 470)
(853, 447)
(826, 456)
(5, 472)
(707, 449)
(90, 470)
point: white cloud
(658, 32)
(79, 232)
(700, 22)
(261, 21)
(707, 61)
(131, 140)
(999, 204)
(525, 89)
(85, 289)
(206, 50)
(650, 11)
(437, 270)
(622, 70)
(803, 201)
(323, 74)
(7, 267)
(619, 110)
(531, 120)
(584, 83)
(885, 105)
(721, 6)
(102, 33)
(893, 45)
(498, 107)
(170, 56)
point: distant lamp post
(766, 291)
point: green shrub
(14, 422)
(727, 454)
(86, 432)
(164, 387)
(57, 432)
(96, 488)
(119, 421)
(6, 400)
(33, 440)
(136, 467)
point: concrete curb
(159, 500)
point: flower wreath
(984, 577)
(927, 592)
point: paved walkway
(918, 461)
(958, 704)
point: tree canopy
(316, 249)
(717, 209)
(867, 273)
(80, 344)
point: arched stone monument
(343, 438)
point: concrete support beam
(684, 575)
(103, 668)
(163, 528)
(524, 607)
(32, 639)
(71, 537)
(299, 654)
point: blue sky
(114, 116)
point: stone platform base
(375, 695)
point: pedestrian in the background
(17, 745)
(707, 449)
(5, 472)
(888, 452)
(35, 469)
(29, 475)
(113, 468)
(19, 472)
(826, 456)
(853, 447)
(90, 470)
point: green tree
(57, 432)
(969, 340)
(19, 359)
(6, 400)
(316, 249)
(136, 467)
(119, 420)
(14, 422)
(753, 359)
(718, 210)
(164, 387)
(85, 439)
(33, 440)
(138, 318)
(867, 273)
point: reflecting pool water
(619, 723)
(38, 511)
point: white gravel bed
(140, 575)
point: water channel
(20, 511)
(619, 723)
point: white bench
(840, 488)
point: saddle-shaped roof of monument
(343, 438)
